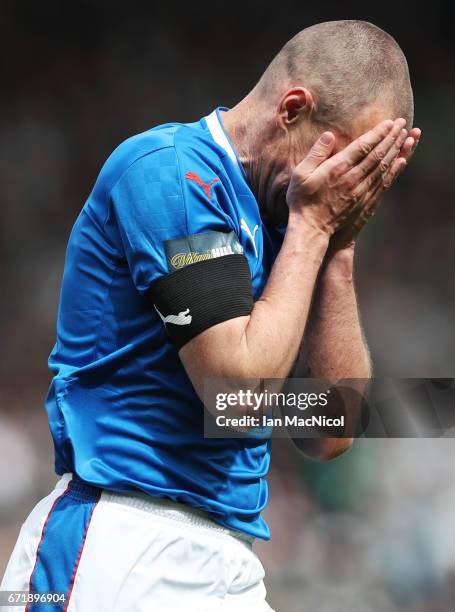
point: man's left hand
(348, 235)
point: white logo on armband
(183, 318)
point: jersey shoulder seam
(182, 193)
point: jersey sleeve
(175, 219)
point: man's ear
(296, 104)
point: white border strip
(220, 137)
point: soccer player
(211, 249)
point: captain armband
(204, 288)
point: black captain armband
(203, 294)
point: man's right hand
(327, 191)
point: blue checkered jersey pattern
(123, 413)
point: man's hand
(330, 192)
(392, 166)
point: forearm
(334, 346)
(272, 336)
(265, 344)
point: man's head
(344, 76)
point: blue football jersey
(123, 413)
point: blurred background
(372, 531)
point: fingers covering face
(363, 149)
(410, 144)
(365, 144)
(381, 157)
(380, 169)
(395, 164)
(319, 152)
(376, 191)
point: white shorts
(131, 553)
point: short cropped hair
(347, 65)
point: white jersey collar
(219, 135)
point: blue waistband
(78, 490)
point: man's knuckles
(363, 146)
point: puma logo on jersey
(252, 236)
(182, 318)
(207, 187)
